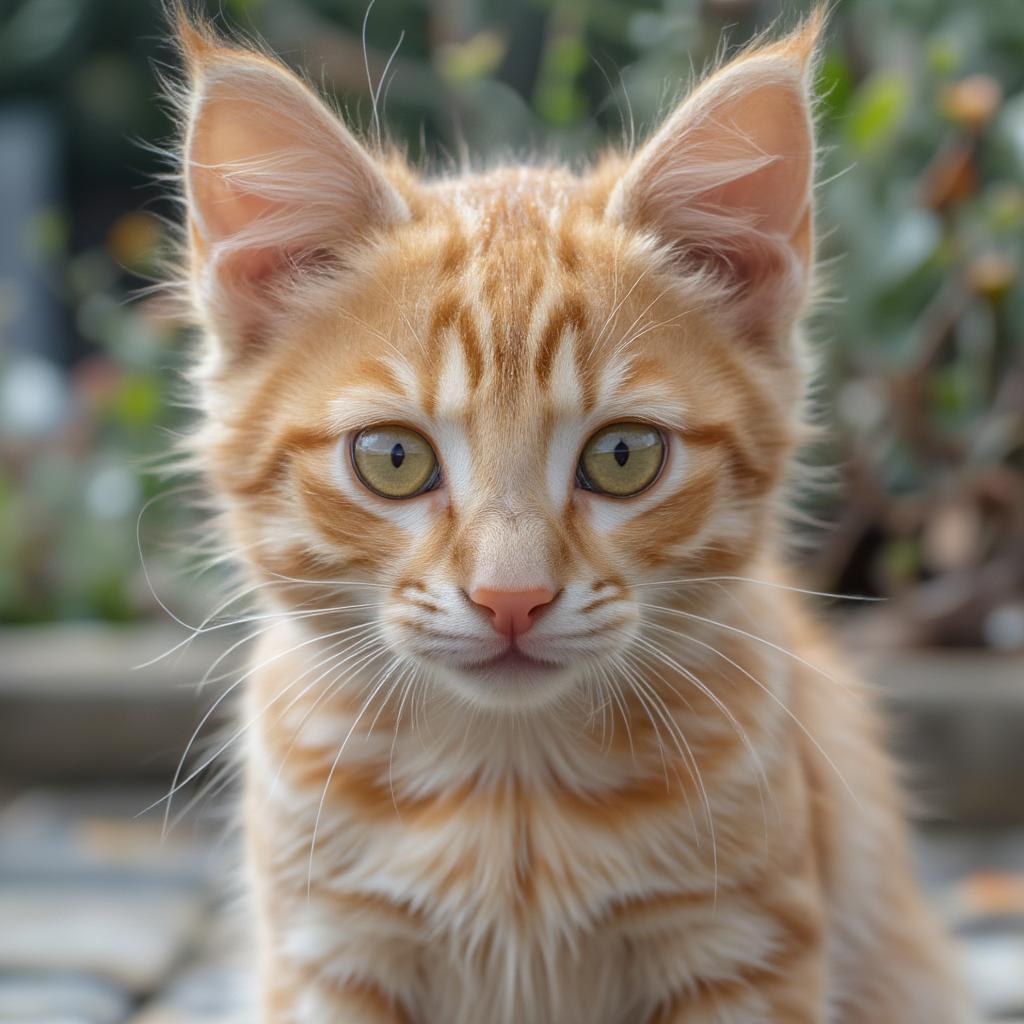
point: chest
(536, 907)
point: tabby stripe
(745, 470)
(569, 315)
(471, 348)
(446, 316)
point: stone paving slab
(104, 921)
(131, 937)
(103, 832)
(52, 998)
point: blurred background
(921, 466)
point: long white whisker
(363, 653)
(673, 663)
(176, 784)
(407, 688)
(393, 664)
(775, 697)
(703, 688)
(618, 345)
(272, 617)
(750, 636)
(762, 583)
(325, 582)
(690, 760)
(615, 308)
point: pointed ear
(274, 185)
(726, 183)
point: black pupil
(397, 455)
(621, 453)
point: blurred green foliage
(919, 334)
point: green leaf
(877, 111)
(835, 84)
(138, 401)
(475, 58)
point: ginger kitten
(536, 733)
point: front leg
(291, 996)
(790, 994)
(337, 960)
(328, 954)
(754, 956)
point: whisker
(142, 557)
(750, 636)
(273, 617)
(595, 682)
(326, 582)
(774, 584)
(703, 688)
(377, 687)
(649, 699)
(406, 689)
(620, 701)
(690, 760)
(635, 336)
(176, 785)
(617, 348)
(338, 682)
(615, 308)
(775, 697)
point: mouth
(514, 660)
(512, 680)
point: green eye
(395, 462)
(621, 460)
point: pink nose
(512, 609)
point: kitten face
(504, 402)
(505, 330)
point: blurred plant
(74, 445)
(925, 357)
(922, 327)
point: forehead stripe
(471, 348)
(446, 314)
(585, 369)
(569, 314)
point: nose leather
(512, 610)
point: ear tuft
(195, 38)
(801, 46)
(726, 183)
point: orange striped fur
(665, 802)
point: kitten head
(482, 411)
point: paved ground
(103, 922)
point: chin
(512, 682)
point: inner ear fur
(275, 184)
(726, 183)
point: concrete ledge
(957, 726)
(74, 706)
(73, 709)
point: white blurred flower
(33, 397)
(1004, 627)
(112, 493)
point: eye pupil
(394, 462)
(621, 460)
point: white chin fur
(509, 688)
